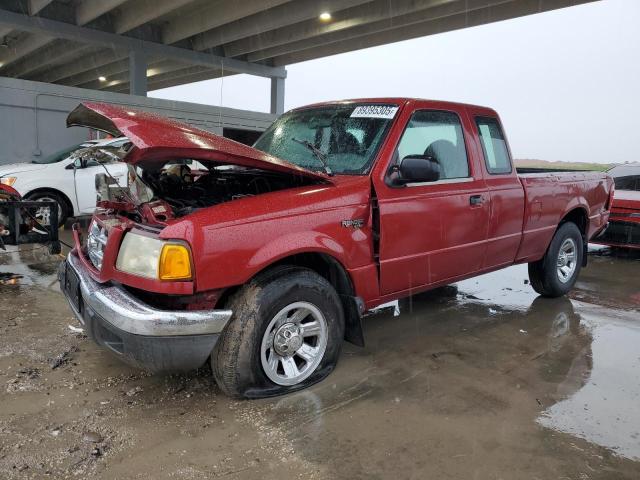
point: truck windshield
(342, 139)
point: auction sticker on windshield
(374, 111)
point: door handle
(476, 200)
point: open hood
(156, 138)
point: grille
(96, 243)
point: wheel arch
(60, 193)
(580, 217)
(331, 269)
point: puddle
(606, 410)
(31, 264)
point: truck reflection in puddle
(605, 410)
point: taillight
(610, 199)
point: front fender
(293, 244)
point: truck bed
(548, 198)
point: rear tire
(270, 346)
(556, 273)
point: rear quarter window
(494, 146)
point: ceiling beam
(88, 10)
(61, 59)
(187, 78)
(55, 53)
(215, 14)
(181, 77)
(472, 18)
(353, 27)
(273, 19)
(34, 6)
(23, 47)
(87, 35)
(108, 70)
(377, 11)
(155, 69)
(83, 65)
(137, 13)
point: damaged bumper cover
(152, 339)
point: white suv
(63, 179)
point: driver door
(432, 232)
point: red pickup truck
(263, 260)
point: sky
(566, 83)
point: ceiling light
(102, 79)
(325, 16)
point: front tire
(42, 215)
(286, 333)
(556, 273)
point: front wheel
(43, 214)
(557, 272)
(285, 334)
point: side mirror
(414, 169)
(77, 164)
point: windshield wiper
(318, 154)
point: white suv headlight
(153, 258)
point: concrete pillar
(277, 96)
(138, 73)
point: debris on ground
(28, 372)
(76, 329)
(134, 391)
(92, 437)
(62, 358)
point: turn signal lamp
(175, 263)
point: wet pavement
(481, 380)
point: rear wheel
(285, 334)
(556, 273)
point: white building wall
(33, 117)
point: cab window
(494, 146)
(438, 135)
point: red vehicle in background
(262, 260)
(624, 223)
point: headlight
(8, 180)
(152, 258)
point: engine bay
(182, 187)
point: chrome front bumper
(148, 338)
(125, 312)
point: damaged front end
(175, 170)
(157, 192)
(132, 284)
